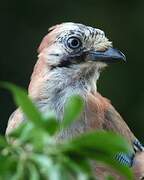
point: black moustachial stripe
(73, 59)
(68, 60)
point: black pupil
(74, 42)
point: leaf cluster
(32, 151)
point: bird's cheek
(53, 55)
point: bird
(71, 58)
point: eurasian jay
(71, 57)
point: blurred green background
(24, 23)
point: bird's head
(71, 52)
(78, 45)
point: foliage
(32, 151)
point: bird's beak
(111, 55)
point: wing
(100, 114)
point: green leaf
(44, 162)
(99, 140)
(109, 178)
(19, 174)
(26, 131)
(72, 110)
(23, 131)
(46, 166)
(78, 168)
(3, 142)
(51, 124)
(48, 158)
(16, 133)
(63, 173)
(30, 110)
(22, 100)
(6, 164)
(33, 172)
(100, 146)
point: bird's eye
(74, 43)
